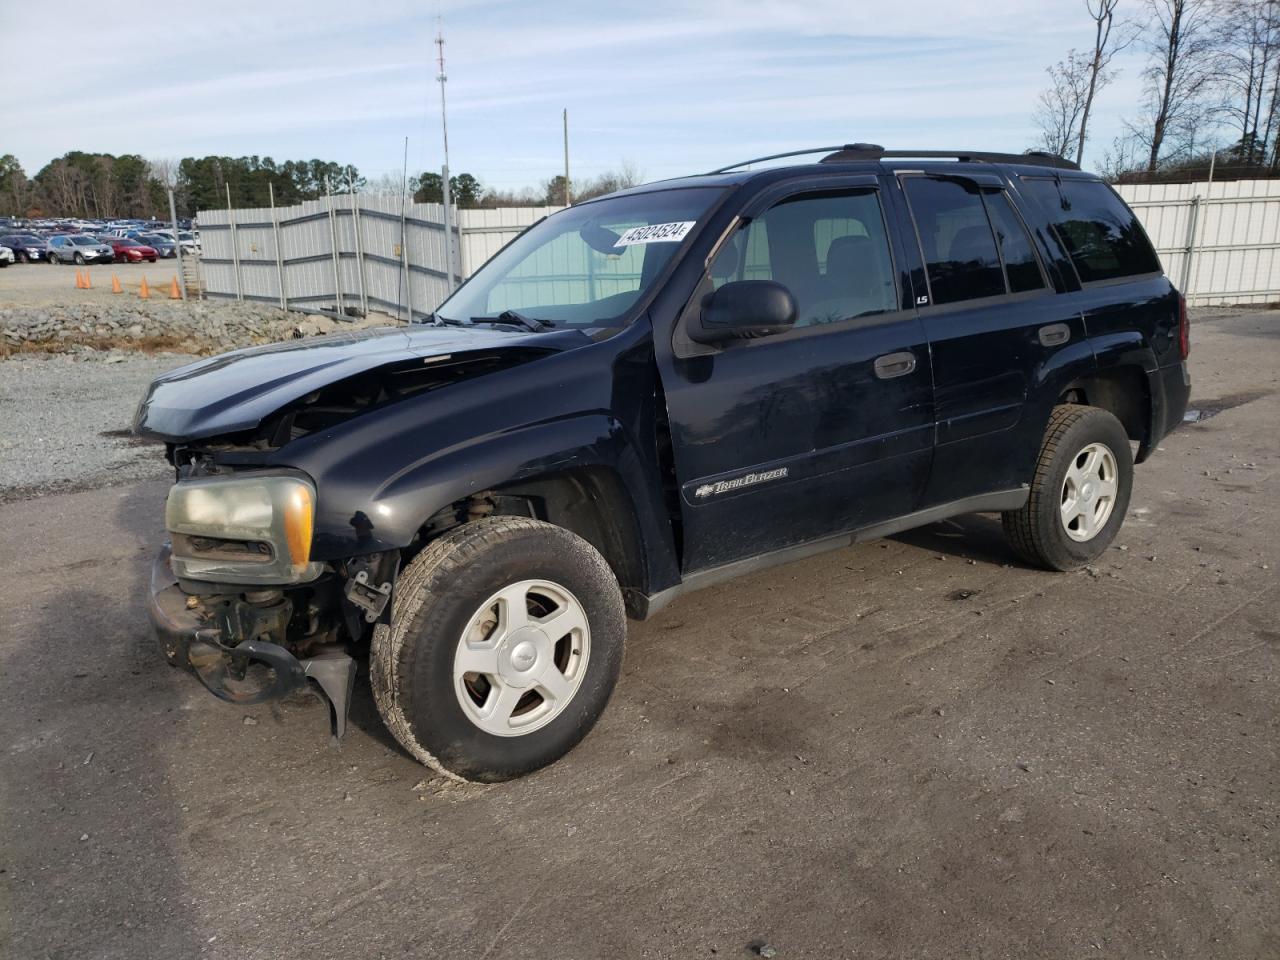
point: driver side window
(830, 250)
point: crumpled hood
(236, 391)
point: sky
(671, 87)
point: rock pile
(194, 327)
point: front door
(786, 439)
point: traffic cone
(143, 292)
(88, 281)
(115, 284)
(79, 280)
(174, 292)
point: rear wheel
(1079, 493)
(505, 642)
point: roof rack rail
(851, 152)
(798, 153)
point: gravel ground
(64, 422)
(915, 748)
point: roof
(869, 158)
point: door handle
(1054, 334)
(895, 365)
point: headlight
(246, 530)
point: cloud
(672, 86)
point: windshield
(84, 241)
(585, 266)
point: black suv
(646, 394)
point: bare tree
(1105, 46)
(1247, 56)
(1178, 78)
(164, 169)
(1062, 104)
(627, 175)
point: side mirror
(744, 309)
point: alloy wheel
(1089, 492)
(521, 658)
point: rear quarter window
(1100, 233)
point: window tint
(1100, 233)
(1020, 264)
(959, 249)
(830, 250)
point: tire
(1067, 523)
(79, 259)
(444, 605)
(24, 257)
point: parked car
(646, 394)
(188, 240)
(164, 246)
(80, 248)
(131, 251)
(27, 247)
(6, 256)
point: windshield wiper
(439, 321)
(513, 319)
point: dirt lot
(34, 284)
(911, 748)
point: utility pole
(567, 194)
(444, 129)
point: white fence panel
(357, 253)
(1220, 244)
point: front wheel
(80, 259)
(1079, 493)
(505, 642)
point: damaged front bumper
(228, 650)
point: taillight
(1184, 328)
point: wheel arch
(596, 485)
(1125, 393)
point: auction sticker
(656, 233)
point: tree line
(100, 185)
(1211, 84)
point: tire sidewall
(1097, 426)
(427, 694)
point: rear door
(785, 439)
(1000, 338)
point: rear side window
(1100, 233)
(1020, 263)
(956, 240)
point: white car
(189, 241)
(6, 256)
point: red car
(130, 251)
